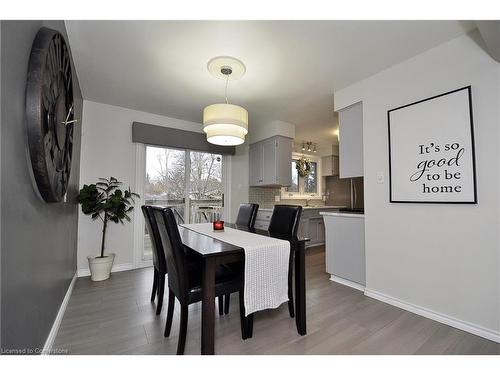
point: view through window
(190, 182)
(304, 185)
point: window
(189, 182)
(303, 187)
(311, 181)
(294, 187)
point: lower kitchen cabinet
(316, 230)
(311, 225)
(345, 248)
(263, 219)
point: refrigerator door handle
(355, 195)
(352, 192)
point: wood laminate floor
(116, 317)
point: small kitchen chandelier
(225, 124)
(309, 146)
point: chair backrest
(247, 214)
(154, 236)
(285, 220)
(173, 248)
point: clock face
(49, 114)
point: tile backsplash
(264, 197)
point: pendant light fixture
(309, 146)
(225, 124)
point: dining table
(214, 252)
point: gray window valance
(177, 138)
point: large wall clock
(50, 114)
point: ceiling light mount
(226, 70)
(226, 67)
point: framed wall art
(431, 150)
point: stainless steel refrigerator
(348, 192)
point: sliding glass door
(188, 181)
(206, 190)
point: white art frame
(431, 150)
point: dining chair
(284, 222)
(159, 264)
(247, 214)
(184, 276)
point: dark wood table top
(207, 246)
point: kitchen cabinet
(271, 162)
(316, 231)
(311, 223)
(345, 248)
(303, 230)
(330, 165)
(263, 219)
(351, 141)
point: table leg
(300, 289)
(208, 306)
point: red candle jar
(218, 225)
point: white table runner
(266, 265)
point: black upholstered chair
(284, 222)
(247, 214)
(160, 266)
(184, 276)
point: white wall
(264, 130)
(107, 150)
(238, 180)
(441, 260)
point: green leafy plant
(105, 201)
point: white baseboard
(346, 282)
(434, 315)
(82, 272)
(57, 322)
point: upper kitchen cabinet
(330, 165)
(270, 162)
(351, 141)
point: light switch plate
(380, 177)
(277, 198)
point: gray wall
(38, 240)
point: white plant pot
(100, 268)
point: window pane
(206, 187)
(310, 182)
(294, 187)
(164, 184)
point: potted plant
(105, 201)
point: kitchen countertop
(309, 208)
(343, 214)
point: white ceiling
(293, 67)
